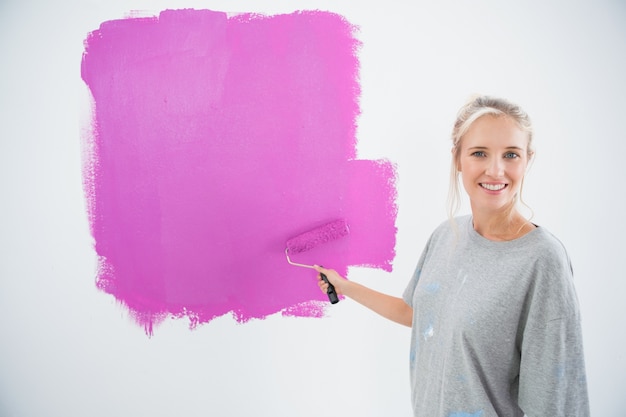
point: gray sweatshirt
(496, 327)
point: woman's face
(492, 161)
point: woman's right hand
(393, 308)
(333, 277)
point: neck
(504, 225)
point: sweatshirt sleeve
(552, 379)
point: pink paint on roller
(216, 139)
(318, 236)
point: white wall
(67, 349)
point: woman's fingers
(332, 276)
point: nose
(495, 168)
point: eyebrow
(484, 147)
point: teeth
(493, 187)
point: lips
(493, 187)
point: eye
(479, 154)
(511, 155)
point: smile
(493, 187)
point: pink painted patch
(216, 139)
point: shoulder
(548, 249)
(445, 234)
(452, 226)
(553, 276)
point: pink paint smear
(214, 140)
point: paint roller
(312, 239)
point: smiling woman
(493, 157)
(492, 306)
(516, 129)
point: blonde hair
(475, 108)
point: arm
(552, 375)
(392, 308)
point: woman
(493, 310)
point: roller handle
(332, 293)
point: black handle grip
(332, 294)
